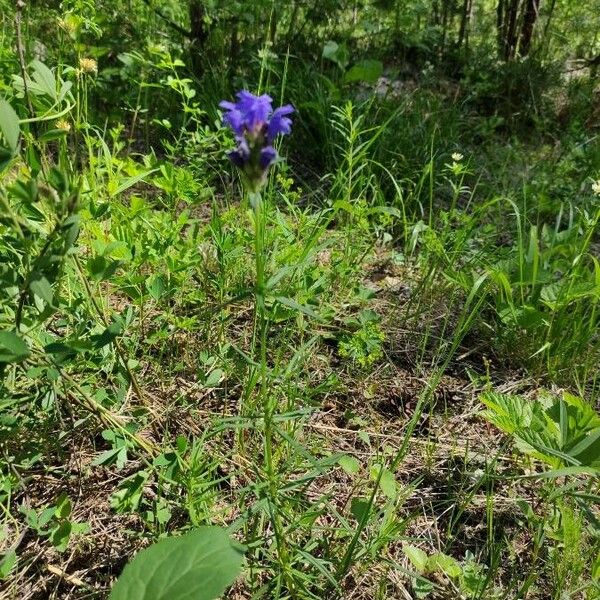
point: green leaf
(156, 286)
(214, 378)
(6, 157)
(60, 536)
(52, 134)
(587, 451)
(9, 125)
(299, 307)
(109, 335)
(360, 508)
(12, 348)
(199, 565)
(417, 557)
(336, 53)
(387, 481)
(368, 71)
(63, 507)
(128, 182)
(7, 563)
(442, 562)
(41, 287)
(350, 464)
(44, 78)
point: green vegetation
(370, 369)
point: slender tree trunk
(506, 22)
(530, 16)
(465, 20)
(436, 12)
(234, 46)
(500, 10)
(446, 18)
(546, 35)
(511, 32)
(293, 19)
(198, 35)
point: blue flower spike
(255, 125)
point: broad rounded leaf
(336, 53)
(12, 348)
(368, 71)
(199, 565)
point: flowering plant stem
(263, 400)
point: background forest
(366, 368)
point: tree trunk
(500, 10)
(507, 12)
(511, 30)
(546, 35)
(234, 46)
(198, 36)
(465, 20)
(293, 19)
(530, 16)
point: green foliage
(468, 575)
(563, 432)
(54, 522)
(198, 565)
(364, 345)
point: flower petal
(255, 109)
(239, 156)
(235, 120)
(280, 124)
(268, 156)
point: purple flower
(280, 123)
(255, 126)
(268, 156)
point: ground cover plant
(299, 300)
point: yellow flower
(457, 156)
(63, 124)
(596, 187)
(88, 65)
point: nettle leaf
(199, 565)
(9, 125)
(12, 348)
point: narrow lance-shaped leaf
(9, 125)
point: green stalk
(261, 321)
(262, 324)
